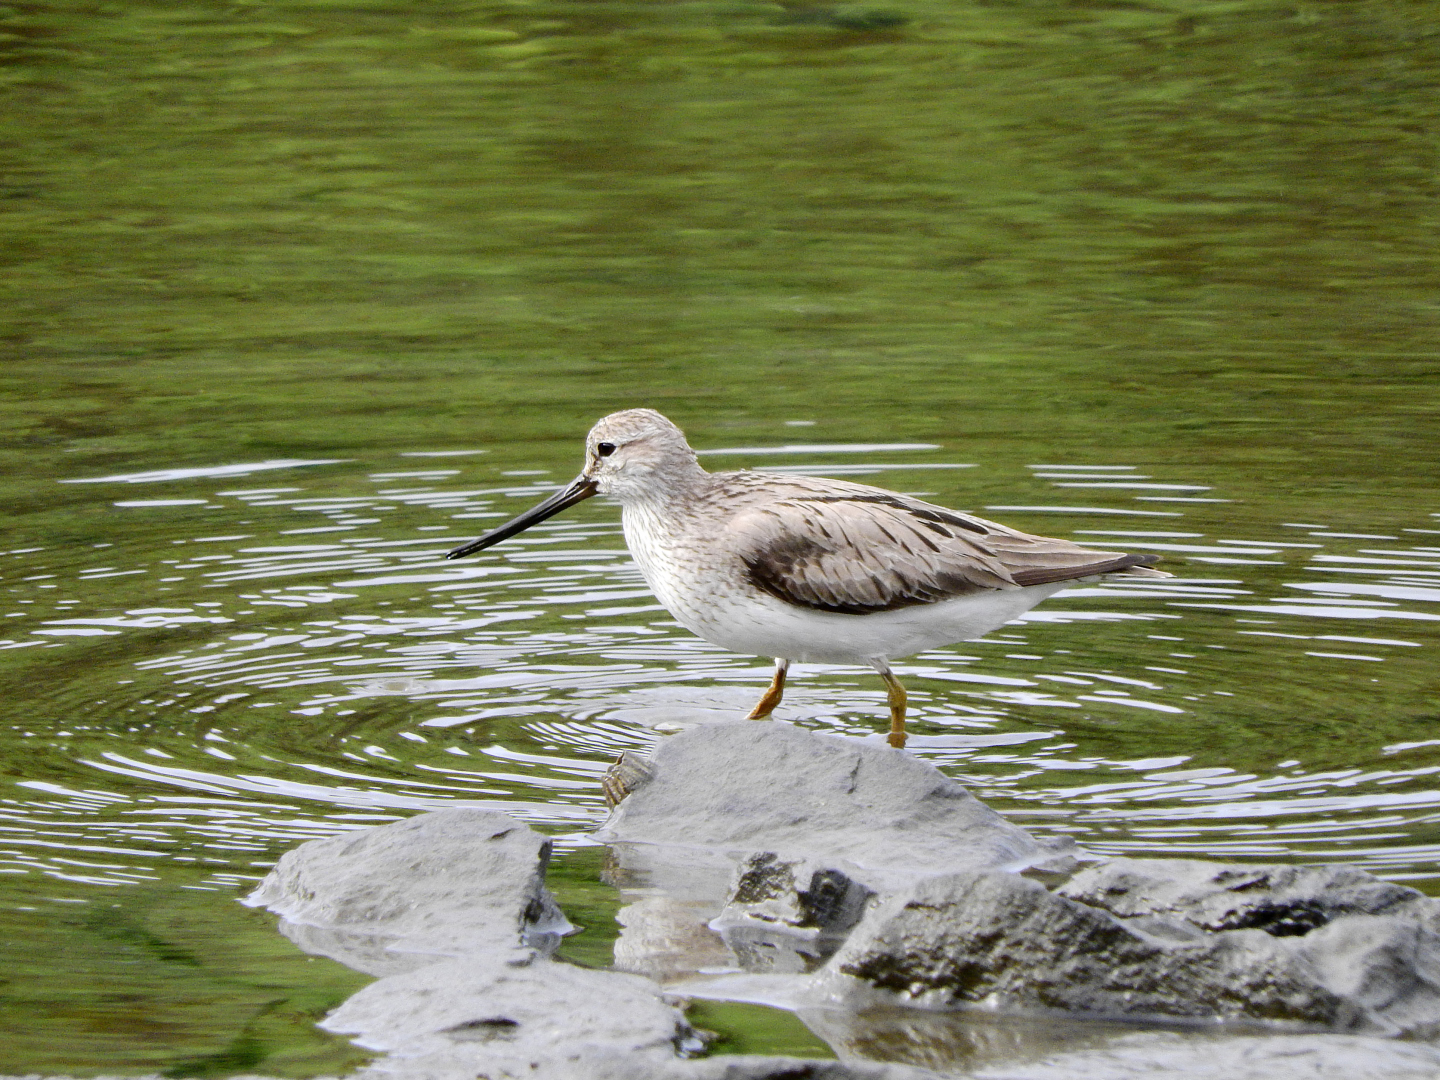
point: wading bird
(801, 568)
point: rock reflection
(952, 1042)
(669, 899)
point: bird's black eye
(605, 449)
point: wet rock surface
(802, 895)
(859, 888)
(748, 787)
(398, 896)
(984, 1046)
(450, 907)
(457, 1016)
(1008, 942)
(451, 910)
(1283, 901)
(1165, 1055)
(789, 915)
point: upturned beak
(580, 489)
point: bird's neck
(679, 485)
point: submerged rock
(666, 937)
(980, 1045)
(399, 896)
(789, 916)
(748, 1067)
(1172, 1056)
(450, 907)
(801, 895)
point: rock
(368, 953)
(1173, 1056)
(863, 815)
(870, 871)
(748, 787)
(983, 1046)
(1284, 901)
(843, 879)
(605, 1065)
(749, 1067)
(629, 772)
(788, 915)
(1385, 968)
(457, 1018)
(670, 895)
(798, 894)
(999, 939)
(449, 883)
(955, 1042)
(449, 1021)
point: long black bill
(579, 490)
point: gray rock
(863, 817)
(1284, 901)
(799, 894)
(837, 830)
(368, 953)
(999, 939)
(1176, 1056)
(450, 1021)
(400, 900)
(606, 1065)
(449, 883)
(983, 1046)
(748, 787)
(459, 1019)
(854, 874)
(749, 1067)
(789, 916)
(1386, 968)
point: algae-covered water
(299, 295)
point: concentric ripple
(267, 679)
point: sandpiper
(802, 568)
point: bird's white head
(638, 455)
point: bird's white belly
(719, 605)
(766, 626)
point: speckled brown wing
(858, 550)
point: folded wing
(856, 550)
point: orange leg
(766, 704)
(896, 699)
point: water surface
(302, 294)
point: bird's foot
(766, 705)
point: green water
(1187, 244)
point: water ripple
(248, 686)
